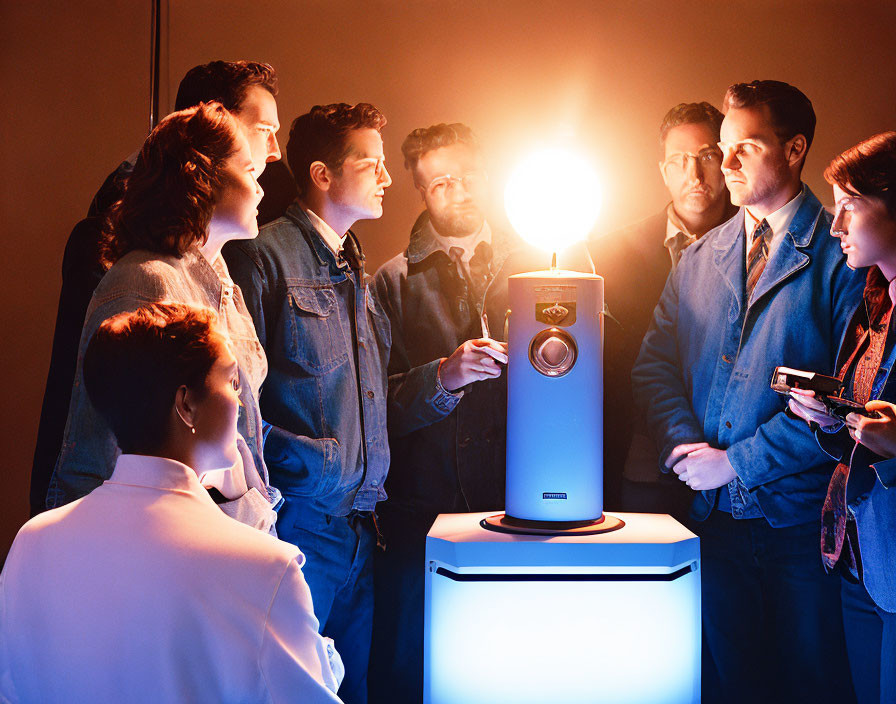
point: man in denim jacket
(440, 294)
(767, 288)
(327, 341)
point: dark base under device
(502, 523)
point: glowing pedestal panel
(603, 618)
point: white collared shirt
(778, 222)
(327, 233)
(467, 244)
(144, 591)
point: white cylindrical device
(555, 397)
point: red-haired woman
(193, 189)
(167, 599)
(859, 519)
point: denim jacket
(89, 450)
(327, 340)
(457, 462)
(705, 366)
(871, 489)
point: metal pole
(154, 57)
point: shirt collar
(467, 244)
(327, 233)
(157, 473)
(778, 221)
(674, 225)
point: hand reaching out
(473, 361)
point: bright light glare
(553, 198)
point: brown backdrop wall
(75, 102)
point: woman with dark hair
(167, 599)
(193, 188)
(859, 518)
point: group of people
(245, 437)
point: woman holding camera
(193, 188)
(163, 598)
(859, 517)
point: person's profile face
(359, 185)
(454, 188)
(754, 159)
(236, 207)
(865, 228)
(258, 120)
(216, 409)
(692, 169)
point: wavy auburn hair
(136, 361)
(868, 169)
(170, 197)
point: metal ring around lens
(538, 346)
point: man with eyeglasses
(767, 288)
(446, 297)
(635, 263)
(327, 341)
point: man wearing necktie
(446, 297)
(767, 288)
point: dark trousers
(339, 571)
(871, 643)
(771, 615)
(396, 662)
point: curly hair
(136, 361)
(868, 169)
(225, 82)
(692, 114)
(425, 139)
(322, 135)
(169, 198)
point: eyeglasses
(444, 186)
(679, 162)
(377, 162)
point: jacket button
(370, 394)
(727, 423)
(726, 359)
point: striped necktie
(758, 255)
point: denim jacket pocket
(302, 466)
(313, 338)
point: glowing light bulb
(553, 198)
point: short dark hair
(692, 114)
(790, 110)
(868, 169)
(136, 361)
(169, 198)
(425, 139)
(322, 135)
(225, 82)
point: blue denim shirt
(89, 450)
(705, 365)
(327, 340)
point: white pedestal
(608, 618)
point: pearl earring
(191, 427)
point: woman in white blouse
(144, 591)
